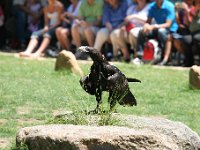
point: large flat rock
(142, 134)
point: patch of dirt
(57, 113)
(4, 143)
(28, 121)
(172, 67)
(23, 110)
(2, 121)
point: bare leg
(58, 34)
(76, 35)
(125, 54)
(42, 47)
(62, 36)
(168, 46)
(64, 39)
(133, 41)
(31, 46)
(89, 36)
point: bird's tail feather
(128, 99)
(133, 80)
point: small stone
(194, 77)
(66, 60)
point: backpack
(152, 51)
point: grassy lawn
(31, 92)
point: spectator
(193, 37)
(133, 23)
(33, 22)
(184, 13)
(113, 15)
(62, 33)
(52, 15)
(163, 13)
(20, 11)
(88, 22)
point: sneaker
(140, 53)
(162, 63)
(52, 53)
(136, 61)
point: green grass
(31, 91)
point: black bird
(106, 77)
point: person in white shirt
(52, 13)
(133, 23)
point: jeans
(49, 34)
(160, 35)
(188, 41)
(101, 37)
(21, 31)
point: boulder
(194, 76)
(66, 60)
(142, 133)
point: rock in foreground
(143, 133)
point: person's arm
(147, 26)
(73, 15)
(46, 20)
(98, 21)
(60, 10)
(65, 18)
(170, 17)
(105, 15)
(141, 17)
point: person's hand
(45, 29)
(77, 22)
(109, 27)
(123, 28)
(181, 26)
(178, 5)
(128, 18)
(148, 28)
(69, 15)
(84, 24)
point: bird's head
(93, 53)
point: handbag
(129, 26)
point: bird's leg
(112, 105)
(112, 99)
(99, 102)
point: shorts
(49, 34)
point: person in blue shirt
(114, 12)
(163, 12)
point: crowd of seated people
(125, 25)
